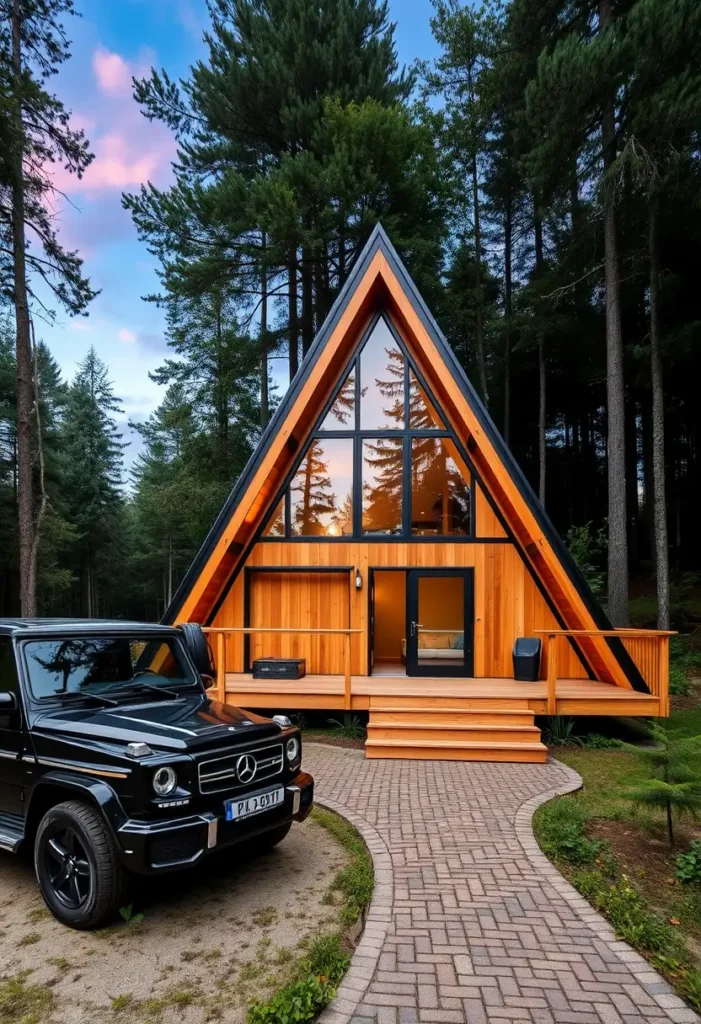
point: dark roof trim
(379, 242)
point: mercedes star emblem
(246, 768)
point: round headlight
(164, 781)
(292, 748)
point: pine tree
(35, 132)
(93, 483)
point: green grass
(561, 829)
(21, 1003)
(356, 880)
(313, 981)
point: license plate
(256, 803)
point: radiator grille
(234, 770)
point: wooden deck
(326, 692)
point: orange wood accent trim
(552, 676)
(249, 508)
(270, 629)
(608, 632)
(221, 667)
(347, 671)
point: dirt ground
(209, 941)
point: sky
(111, 41)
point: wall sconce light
(358, 580)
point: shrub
(628, 913)
(560, 831)
(351, 728)
(674, 782)
(684, 657)
(559, 731)
(296, 1002)
(689, 864)
(595, 741)
(588, 548)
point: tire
(78, 870)
(198, 648)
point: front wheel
(79, 872)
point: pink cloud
(112, 72)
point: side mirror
(7, 700)
(207, 680)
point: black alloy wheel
(78, 866)
(67, 867)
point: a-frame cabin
(383, 532)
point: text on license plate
(245, 806)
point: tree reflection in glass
(422, 415)
(382, 370)
(276, 526)
(321, 492)
(341, 415)
(382, 485)
(440, 491)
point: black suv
(114, 760)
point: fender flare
(96, 791)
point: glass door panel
(439, 622)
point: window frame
(407, 433)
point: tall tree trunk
(542, 381)
(293, 337)
(264, 398)
(615, 386)
(479, 313)
(307, 293)
(658, 465)
(508, 291)
(25, 491)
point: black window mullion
(406, 490)
(357, 486)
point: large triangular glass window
(380, 462)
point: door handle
(415, 626)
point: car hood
(188, 723)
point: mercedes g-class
(114, 760)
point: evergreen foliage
(674, 780)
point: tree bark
(293, 341)
(542, 380)
(508, 306)
(25, 490)
(615, 387)
(658, 461)
(264, 397)
(479, 316)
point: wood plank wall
(507, 601)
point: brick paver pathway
(469, 922)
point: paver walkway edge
(469, 921)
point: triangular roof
(379, 279)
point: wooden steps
(453, 733)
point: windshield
(101, 664)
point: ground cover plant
(613, 841)
(316, 974)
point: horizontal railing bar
(269, 629)
(608, 632)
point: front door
(439, 622)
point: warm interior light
(333, 530)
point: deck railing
(648, 649)
(221, 634)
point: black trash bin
(527, 659)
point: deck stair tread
(457, 727)
(489, 733)
(455, 743)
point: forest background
(541, 179)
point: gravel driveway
(209, 941)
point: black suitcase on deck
(279, 668)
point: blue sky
(111, 41)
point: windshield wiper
(86, 693)
(136, 686)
